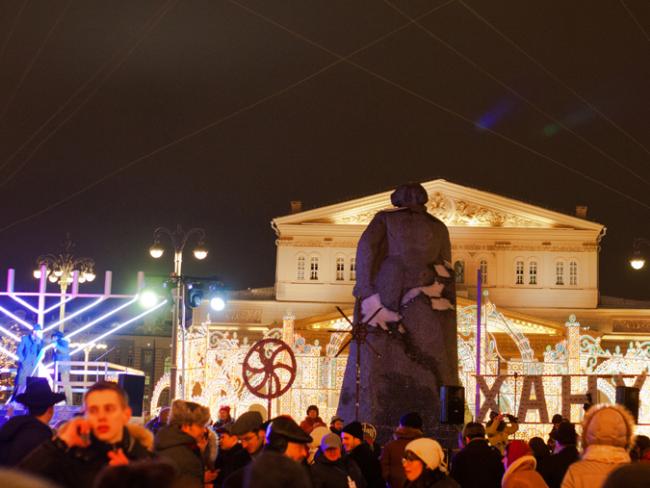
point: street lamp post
(60, 268)
(637, 260)
(178, 239)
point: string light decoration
(567, 369)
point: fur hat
(429, 451)
(609, 425)
(355, 429)
(188, 413)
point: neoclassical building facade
(530, 257)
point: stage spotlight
(194, 295)
(217, 304)
(148, 299)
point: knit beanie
(516, 449)
(355, 429)
(430, 452)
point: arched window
(559, 273)
(300, 269)
(519, 272)
(459, 271)
(483, 266)
(353, 269)
(573, 273)
(532, 273)
(340, 268)
(313, 268)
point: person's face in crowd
(164, 416)
(223, 415)
(296, 451)
(227, 441)
(349, 441)
(338, 425)
(252, 441)
(196, 431)
(107, 415)
(413, 467)
(332, 453)
(312, 414)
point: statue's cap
(409, 195)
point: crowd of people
(183, 447)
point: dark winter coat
(181, 449)
(369, 465)
(554, 467)
(77, 467)
(20, 436)
(335, 474)
(275, 470)
(230, 461)
(478, 465)
(431, 479)
(391, 457)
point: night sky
(117, 117)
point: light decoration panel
(215, 373)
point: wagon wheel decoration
(269, 369)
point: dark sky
(113, 85)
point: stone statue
(404, 269)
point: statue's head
(409, 195)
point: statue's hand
(370, 305)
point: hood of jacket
(142, 435)
(609, 425)
(15, 425)
(524, 463)
(407, 433)
(172, 436)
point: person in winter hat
(520, 467)
(409, 428)
(333, 470)
(360, 452)
(424, 465)
(554, 467)
(607, 432)
(312, 420)
(21, 434)
(280, 463)
(184, 441)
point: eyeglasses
(410, 457)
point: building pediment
(455, 205)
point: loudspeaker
(133, 385)
(452, 405)
(628, 396)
